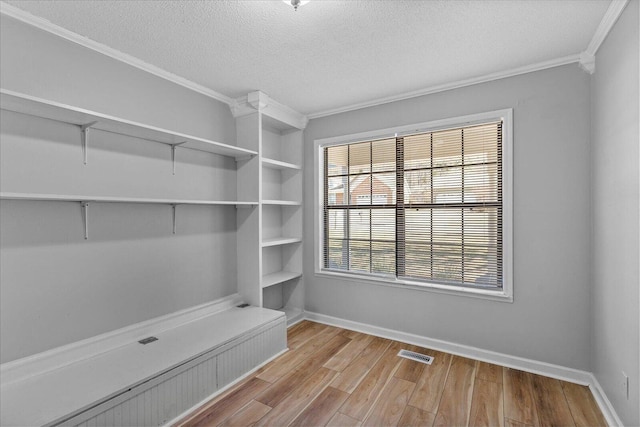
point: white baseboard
(174, 422)
(39, 363)
(295, 319)
(541, 368)
(605, 405)
(528, 365)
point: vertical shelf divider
(270, 236)
(249, 255)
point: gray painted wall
(55, 287)
(615, 193)
(40, 64)
(549, 318)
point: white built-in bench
(135, 384)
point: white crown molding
(260, 101)
(608, 20)
(587, 62)
(43, 24)
(240, 105)
(588, 57)
(453, 85)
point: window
(423, 208)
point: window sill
(494, 295)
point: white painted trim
(608, 20)
(506, 115)
(40, 363)
(238, 106)
(452, 85)
(260, 101)
(43, 24)
(587, 62)
(241, 106)
(393, 282)
(608, 411)
(521, 363)
(515, 362)
(217, 393)
(296, 319)
(293, 316)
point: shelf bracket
(85, 135)
(173, 156)
(173, 213)
(85, 218)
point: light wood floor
(337, 377)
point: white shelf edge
(281, 202)
(103, 199)
(277, 164)
(31, 105)
(277, 278)
(280, 241)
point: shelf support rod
(173, 155)
(85, 135)
(85, 218)
(173, 212)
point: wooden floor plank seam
(471, 388)
(244, 407)
(573, 417)
(395, 369)
(445, 381)
(534, 409)
(363, 374)
(324, 387)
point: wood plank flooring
(335, 377)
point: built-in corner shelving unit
(268, 199)
(270, 240)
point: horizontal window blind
(424, 207)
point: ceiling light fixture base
(296, 3)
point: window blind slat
(400, 221)
(425, 207)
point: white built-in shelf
(277, 241)
(281, 202)
(86, 119)
(106, 199)
(277, 164)
(279, 277)
(86, 200)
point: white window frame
(505, 294)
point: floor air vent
(412, 355)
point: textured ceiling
(331, 53)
